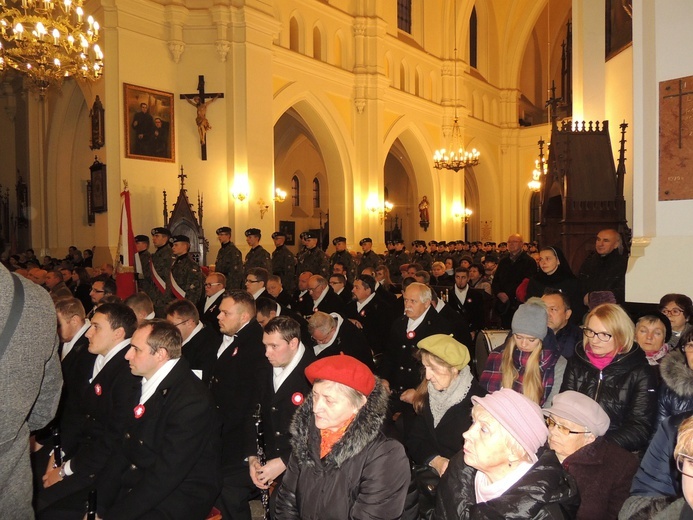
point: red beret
(342, 369)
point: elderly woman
(341, 464)
(442, 402)
(678, 308)
(504, 470)
(676, 388)
(602, 470)
(608, 369)
(529, 361)
(652, 332)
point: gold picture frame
(149, 124)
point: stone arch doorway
(401, 191)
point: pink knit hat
(521, 417)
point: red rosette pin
(411, 334)
(297, 398)
(97, 389)
(363, 313)
(139, 411)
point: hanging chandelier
(455, 157)
(541, 168)
(49, 40)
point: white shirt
(462, 294)
(412, 324)
(227, 340)
(149, 386)
(321, 298)
(322, 346)
(67, 347)
(360, 305)
(257, 294)
(211, 299)
(197, 329)
(440, 305)
(281, 373)
(150, 316)
(102, 360)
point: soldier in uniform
(421, 256)
(398, 258)
(142, 271)
(314, 259)
(283, 262)
(160, 271)
(457, 253)
(368, 258)
(229, 259)
(432, 247)
(258, 255)
(187, 280)
(343, 256)
(441, 254)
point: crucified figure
(201, 119)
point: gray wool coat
(30, 385)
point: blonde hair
(532, 382)
(616, 322)
(684, 442)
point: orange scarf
(328, 438)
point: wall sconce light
(264, 208)
(240, 190)
(461, 213)
(279, 195)
(382, 210)
(239, 196)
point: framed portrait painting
(149, 125)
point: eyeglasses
(97, 290)
(684, 464)
(550, 423)
(522, 340)
(248, 280)
(336, 283)
(311, 289)
(601, 336)
(212, 284)
(672, 312)
(181, 322)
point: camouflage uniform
(284, 266)
(424, 259)
(230, 263)
(369, 259)
(394, 261)
(144, 278)
(315, 261)
(188, 277)
(161, 263)
(257, 257)
(344, 257)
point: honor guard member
(421, 256)
(399, 257)
(229, 259)
(441, 254)
(302, 248)
(258, 255)
(368, 258)
(314, 259)
(142, 258)
(457, 253)
(187, 280)
(283, 262)
(432, 247)
(344, 257)
(160, 270)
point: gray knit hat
(531, 319)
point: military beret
(161, 231)
(253, 232)
(389, 243)
(432, 243)
(398, 241)
(142, 238)
(310, 235)
(342, 369)
(441, 243)
(364, 240)
(446, 348)
(180, 238)
(224, 229)
(336, 240)
(503, 244)
(278, 234)
(302, 236)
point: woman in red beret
(341, 465)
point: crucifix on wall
(201, 100)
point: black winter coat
(626, 389)
(546, 491)
(676, 389)
(366, 475)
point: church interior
(326, 114)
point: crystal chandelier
(455, 158)
(541, 168)
(49, 40)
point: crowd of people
(344, 386)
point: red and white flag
(125, 266)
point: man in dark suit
(200, 342)
(208, 309)
(276, 290)
(511, 270)
(370, 313)
(255, 282)
(106, 403)
(457, 322)
(233, 384)
(468, 302)
(303, 303)
(282, 390)
(268, 309)
(341, 287)
(324, 298)
(334, 335)
(167, 465)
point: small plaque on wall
(676, 139)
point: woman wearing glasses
(678, 308)
(602, 470)
(529, 361)
(608, 369)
